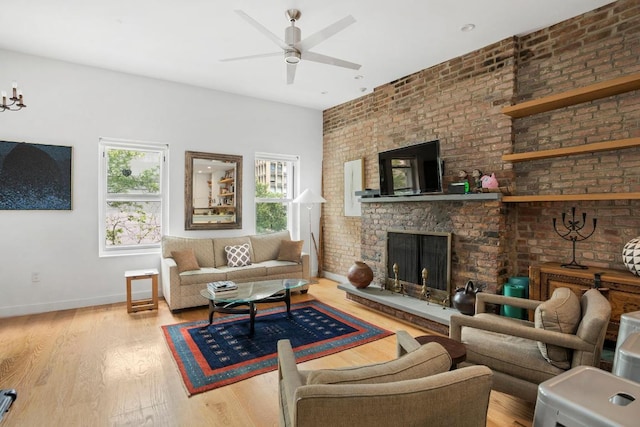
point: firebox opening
(413, 251)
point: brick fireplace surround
(459, 102)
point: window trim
(162, 196)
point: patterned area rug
(213, 356)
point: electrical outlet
(35, 277)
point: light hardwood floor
(100, 366)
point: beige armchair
(568, 331)
(414, 389)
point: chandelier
(16, 101)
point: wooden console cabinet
(621, 288)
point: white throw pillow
(238, 256)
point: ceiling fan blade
(324, 59)
(262, 29)
(324, 34)
(261, 55)
(291, 73)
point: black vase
(464, 299)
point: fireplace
(475, 224)
(415, 255)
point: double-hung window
(133, 196)
(275, 178)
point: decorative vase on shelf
(631, 255)
(360, 275)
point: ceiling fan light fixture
(291, 56)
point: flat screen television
(416, 169)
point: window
(133, 194)
(275, 175)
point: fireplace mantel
(434, 198)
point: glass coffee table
(244, 300)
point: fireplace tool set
(425, 291)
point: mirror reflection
(213, 191)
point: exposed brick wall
(459, 102)
(598, 46)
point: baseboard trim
(335, 277)
(45, 307)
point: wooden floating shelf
(571, 197)
(575, 96)
(568, 151)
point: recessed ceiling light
(324, 92)
(363, 89)
(359, 77)
(468, 27)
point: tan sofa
(182, 290)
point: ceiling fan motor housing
(292, 36)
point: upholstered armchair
(568, 331)
(416, 388)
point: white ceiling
(184, 40)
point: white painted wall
(74, 105)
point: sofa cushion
(202, 247)
(246, 274)
(426, 360)
(560, 313)
(219, 244)
(202, 276)
(290, 250)
(267, 246)
(185, 260)
(283, 268)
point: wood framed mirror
(212, 191)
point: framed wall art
(35, 176)
(353, 181)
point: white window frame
(104, 198)
(293, 180)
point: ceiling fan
(296, 49)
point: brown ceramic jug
(360, 275)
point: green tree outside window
(132, 222)
(270, 216)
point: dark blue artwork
(34, 176)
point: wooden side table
(456, 350)
(147, 303)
